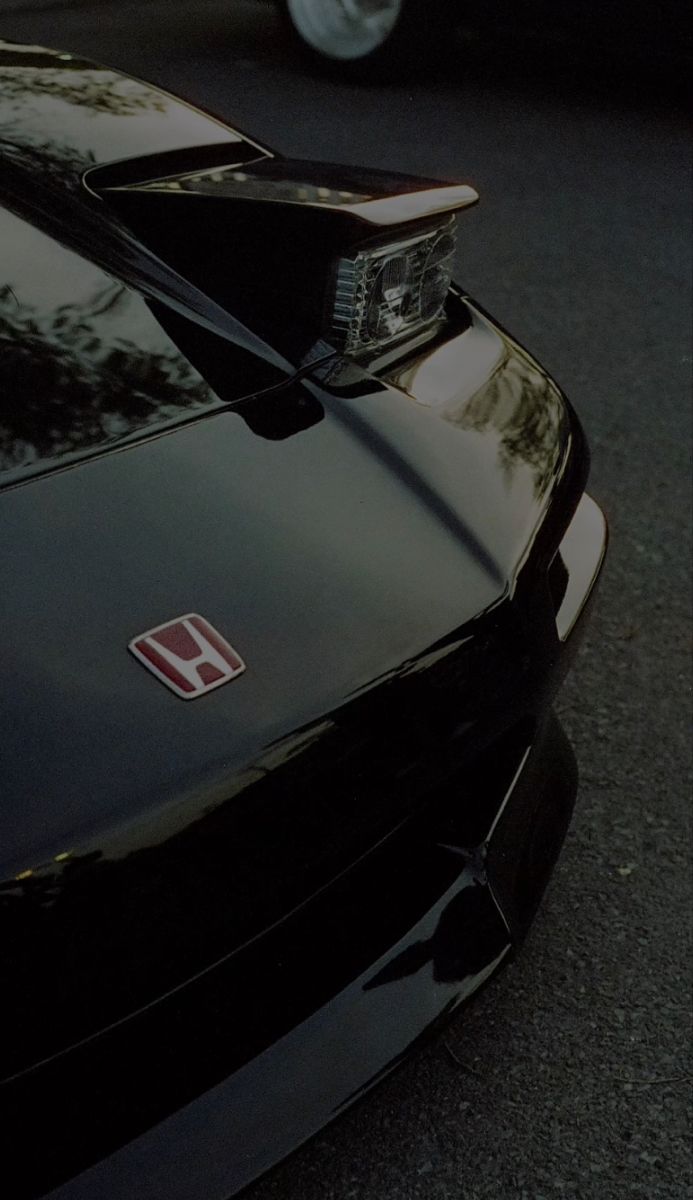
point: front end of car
(224, 921)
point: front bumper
(357, 975)
(240, 1128)
(582, 553)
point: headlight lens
(435, 277)
(390, 300)
(393, 292)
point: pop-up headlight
(304, 254)
(392, 292)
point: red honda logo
(188, 655)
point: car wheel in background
(372, 38)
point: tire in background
(405, 37)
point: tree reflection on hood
(70, 380)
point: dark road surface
(570, 1076)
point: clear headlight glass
(435, 277)
(393, 292)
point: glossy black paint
(412, 575)
(309, 991)
(195, 891)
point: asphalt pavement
(570, 1076)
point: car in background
(296, 554)
(370, 34)
(379, 38)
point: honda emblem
(188, 655)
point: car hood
(329, 559)
(78, 283)
(362, 566)
(63, 115)
(89, 364)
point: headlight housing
(391, 293)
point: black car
(296, 552)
